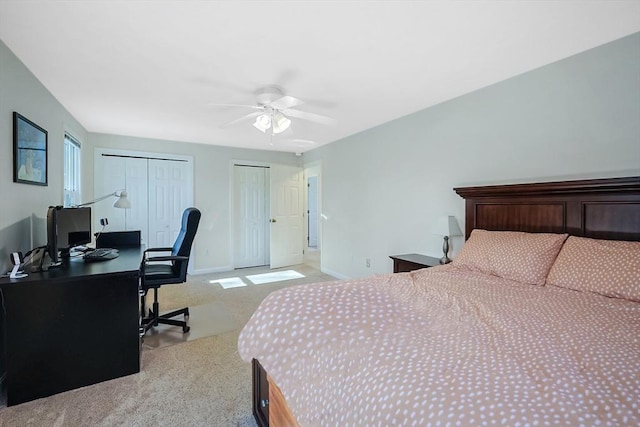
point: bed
(536, 322)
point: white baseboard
(335, 274)
(201, 271)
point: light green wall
(212, 188)
(23, 210)
(24, 206)
(383, 188)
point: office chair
(156, 271)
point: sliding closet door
(109, 177)
(159, 188)
(137, 218)
(114, 174)
(169, 181)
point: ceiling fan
(273, 111)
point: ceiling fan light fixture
(263, 122)
(280, 122)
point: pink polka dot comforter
(447, 346)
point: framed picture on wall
(29, 151)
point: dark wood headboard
(597, 208)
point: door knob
(273, 220)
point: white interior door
(137, 186)
(109, 176)
(251, 215)
(159, 189)
(287, 219)
(114, 174)
(168, 199)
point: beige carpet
(198, 382)
(205, 320)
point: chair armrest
(167, 258)
(149, 261)
(158, 250)
(145, 254)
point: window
(71, 170)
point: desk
(71, 327)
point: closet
(159, 187)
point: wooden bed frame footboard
(596, 208)
(269, 405)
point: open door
(251, 216)
(287, 219)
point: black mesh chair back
(156, 271)
(184, 241)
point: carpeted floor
(205, 320)
(200, 381)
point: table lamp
(447, 226)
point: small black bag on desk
(118, 239)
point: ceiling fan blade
(255, 107)
(241, 119)
(318, 118)
(286, 102)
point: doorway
(251, 234)
(312, 212)
(313, 224)
(268, 214)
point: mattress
(448, 346)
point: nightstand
(410, 262)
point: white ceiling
(150, 68)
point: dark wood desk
(71, 327)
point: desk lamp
(122, 202)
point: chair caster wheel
(186, 329)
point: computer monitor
(66, 229)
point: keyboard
(101, 254)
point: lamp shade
(263, 122)
(280, 123)
(122, 201)
(447, 225)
